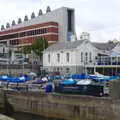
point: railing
(22, 87)
(108, 63)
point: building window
(81, 56)
(58, 57)
(67, 57)
(70, 20)
(86, 58)
(90, 57)
(58, 69)
(49, 58)
(67, 70)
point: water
(26, 116)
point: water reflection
(26, 116)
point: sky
(101, 18)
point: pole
(94, 65)
(23, 58)
(8, 58)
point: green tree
(26, 50)
(39, 46)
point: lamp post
(8, 57)
(95, 61)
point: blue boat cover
(68, 82)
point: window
(58, 57)
(81, 56)
(90, 57)
(86, 57)
(14, 42)
(67, 70)
(67, 57)
(49, 58)
(70, 20)
(58, 69)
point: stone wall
(115, 89)
(69, 107)
(18, 69)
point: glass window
(58, 69)
(67, 70)
(58, 57)
(67, 57)
(81, 56)
(49, 58)
(90, 57)
(86, 57)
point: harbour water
(26, 116)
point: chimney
(48, 9)
(40, 12)
(33, 15)
(13, 23)
(19, 21)
(26, 18)
(7, 25)
(2, 27)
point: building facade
(28, 34)
(76, 57)
(56, 25)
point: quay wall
(68, 107)
(18, 69)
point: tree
(39, 46)
(27, 49)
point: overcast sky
(101, 18)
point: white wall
(63, 61)
(75, 56)
(85, 47)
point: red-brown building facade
(28, 34)
(56, 25)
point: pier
(63, 106)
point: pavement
(3, 117)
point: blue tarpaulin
(79, 76)
(103, 78)
(16, 80)
(5, 78)
(68, 82)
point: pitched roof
(64, 46)
(36, 20)
(104, 46)
(71, 45)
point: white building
(72, 57)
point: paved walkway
(3, 117)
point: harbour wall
(18, 69)
(68, 107)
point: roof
(36, 20)
(104, 46)
(64, 46)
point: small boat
(83, 87)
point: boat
(83, 87)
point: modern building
(56, 25)
(73, 57)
